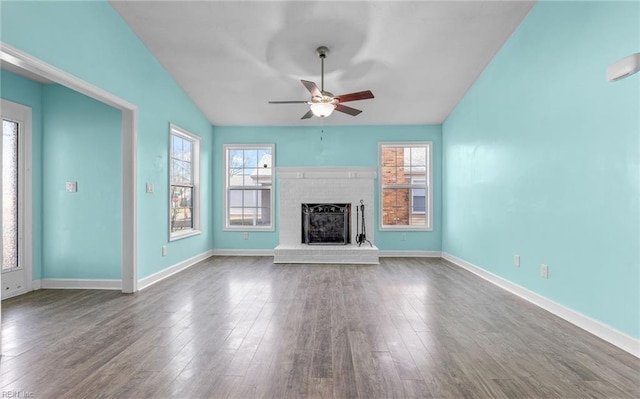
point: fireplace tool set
(361, 232)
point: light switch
(149, 187)
(72, 186)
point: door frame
(23, 116)
(129, 226)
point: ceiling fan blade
(288, 102)
(361, 95)
(347, 110)
(313, 89)
(308, 115)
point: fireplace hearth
(326, 224)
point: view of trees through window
(182, 182)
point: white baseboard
(609, 334)
(79, 284)
(36, 285)
(270, 252)
(410, 254)
(242, 252)
(171, 270)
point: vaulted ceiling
(231, 58)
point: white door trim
(25, 61)
(23, 115)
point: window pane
(176, 146)
(418, 219)
(263, 216)
(264, 157)
(248, 186)
(235, 217)
(186, 150)
(181, 172)
(389, 174)
(404, 165)
(235, 198)
(389, 156)
(236, 159)
(9, 195)
(250, 158)
(250, 198)
(250, 207)
(395, 206)
(403, 175)
(419, 202)
(181, 208)
(415, 156)
(249, 177)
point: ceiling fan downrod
(322, 52)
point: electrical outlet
(245, 235)
(516, 260)
(72, 187)
(544, 271)
(164, 250)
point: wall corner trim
(621, 340)
(171, 270)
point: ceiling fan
(322, 102)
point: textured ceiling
(231, 58)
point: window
(249, 182)
(184, 179)
(405, 186)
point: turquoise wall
(327, 146)
(91, 41)
(26, 92)
(542, 159)
(82, 142)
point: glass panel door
(10, 260)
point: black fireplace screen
(326, 224)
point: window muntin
(405, 189)
(249, 187)
(184, 177)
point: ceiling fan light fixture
(322, 110)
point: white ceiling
(231, 58)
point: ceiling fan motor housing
(322, 51)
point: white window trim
(428, 188)
(196, 216)
(225, 199)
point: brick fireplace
(345, 186)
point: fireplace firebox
(326, 224)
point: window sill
(181, 235)
(404, 228)
(249, 228)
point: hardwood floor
(245, 328)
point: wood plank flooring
(246, 328)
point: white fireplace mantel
(289, 172)
(298, 185)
